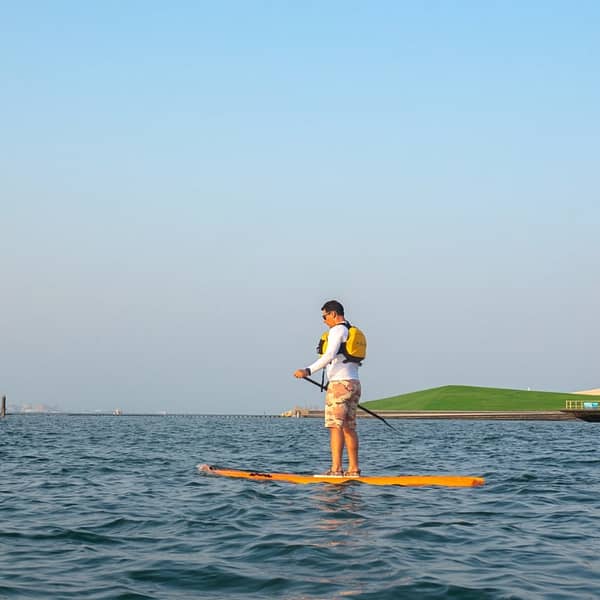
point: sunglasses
(327, 313)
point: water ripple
(102, 508)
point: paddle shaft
(324, 387)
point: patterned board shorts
(341, 401)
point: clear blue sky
(184, 183)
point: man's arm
(334, 341)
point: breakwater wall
(551, 415)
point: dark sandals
(331, 473)
(352, 473)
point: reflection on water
(339, 508)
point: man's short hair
(333, 306)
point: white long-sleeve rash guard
(337, 369)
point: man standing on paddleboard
(343, 391)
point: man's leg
(351, 442)
(335, 413)
(350, 435)
(337, 447)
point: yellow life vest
(354, 348)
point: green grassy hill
(462, 397)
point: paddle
(324, 387)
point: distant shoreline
(550, 415)
(133, 414)
(556, 415)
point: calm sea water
(113, 507)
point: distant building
(37, 408)
(297, 412)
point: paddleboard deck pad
(404, 480)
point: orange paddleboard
(406, 480)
